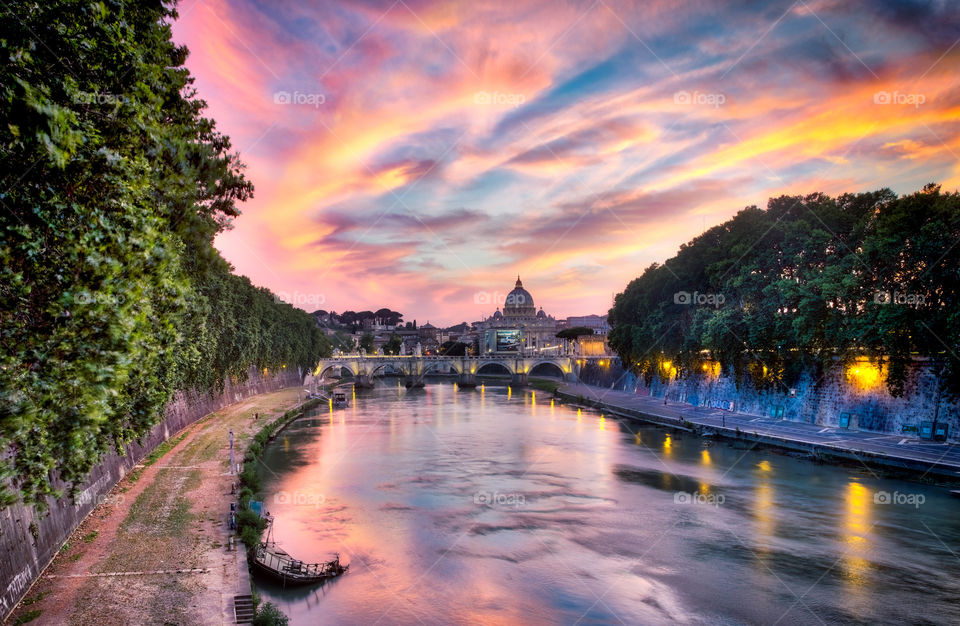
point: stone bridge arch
(548, 364)
(510, 370)
(324, 367)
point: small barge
(272, 561)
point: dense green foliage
(269, 615)
(112, 295)
(454, 348)
(393, 344)
(810, 282)
(366, 343)
(574, 332)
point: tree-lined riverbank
(170, 515)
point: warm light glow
(856, 566)
(705, 457)
(864, 375)
(712, 368)
(765, 466)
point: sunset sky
(420, 155)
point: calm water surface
(483, 506)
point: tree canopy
(112, 295)
(574, 332)
(809, 282)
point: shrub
(269, 615)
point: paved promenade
(900, 451)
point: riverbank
(156, 548)
(899, 453)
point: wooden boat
(339, 398)
(272, 561)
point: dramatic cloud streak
(409, 154)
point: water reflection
(462, 506)
(857, 527)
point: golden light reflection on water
(705, 457)
(764, 511)
(667, 446)
(856, 540)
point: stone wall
(28, 541)
(869, 406)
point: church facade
(520, 327)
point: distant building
(592, 345)
(520, 327)
(597, 323)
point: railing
(289, 565)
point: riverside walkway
(870, 448)
(156, 549)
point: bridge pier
(519, 379)
(363, 381)
(467, 380)
(412, 382)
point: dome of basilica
(519, 302)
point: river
(497, 506)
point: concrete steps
(243, 609)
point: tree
(574, 332)
(393, 344)
(366, 343)
(453, 348)
(807, 284)
(386, 316)
(112, 295)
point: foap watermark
(300, 98)
(910, 99)
(909, 499)
(98, 97)
(899, 297)
(699, 299)
(699, 98)
(712, 499)
(497, 499)
(499, 99)
(300, 299)
(499, 298)
(300, 498)
(108, 299)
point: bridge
(467, 368)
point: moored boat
(274, 562)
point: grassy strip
(155, 456)
(250, 526)
(549, 386)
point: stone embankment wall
(856, 392)
(29, 541)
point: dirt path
(169, 515)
